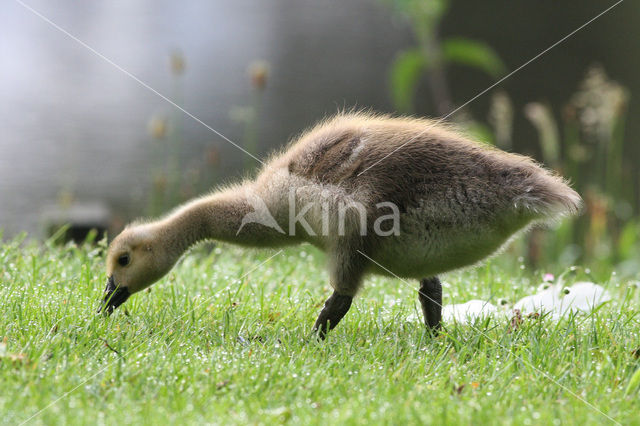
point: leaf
(405, 75)
(475, 54)
(633, 383)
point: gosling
(401, 197)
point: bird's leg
(346, 268)
(334, 309)
(430, 296)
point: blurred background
(82, 142)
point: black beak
(113, 297)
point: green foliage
(474, 54)
(226, 340)
(410, 65)
(629, 240)
(406, 72)
(589, 152)
(634, 383)
(431, 54)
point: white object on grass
(468, 312)
(581, 297)
(555, 300)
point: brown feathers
(448, 202)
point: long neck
(216, 217)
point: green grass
(205, 345)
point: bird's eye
(124, 260)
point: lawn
(226, 338)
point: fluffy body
(459, 201)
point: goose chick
(395, 196)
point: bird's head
(136, 259)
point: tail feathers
(549, 197)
